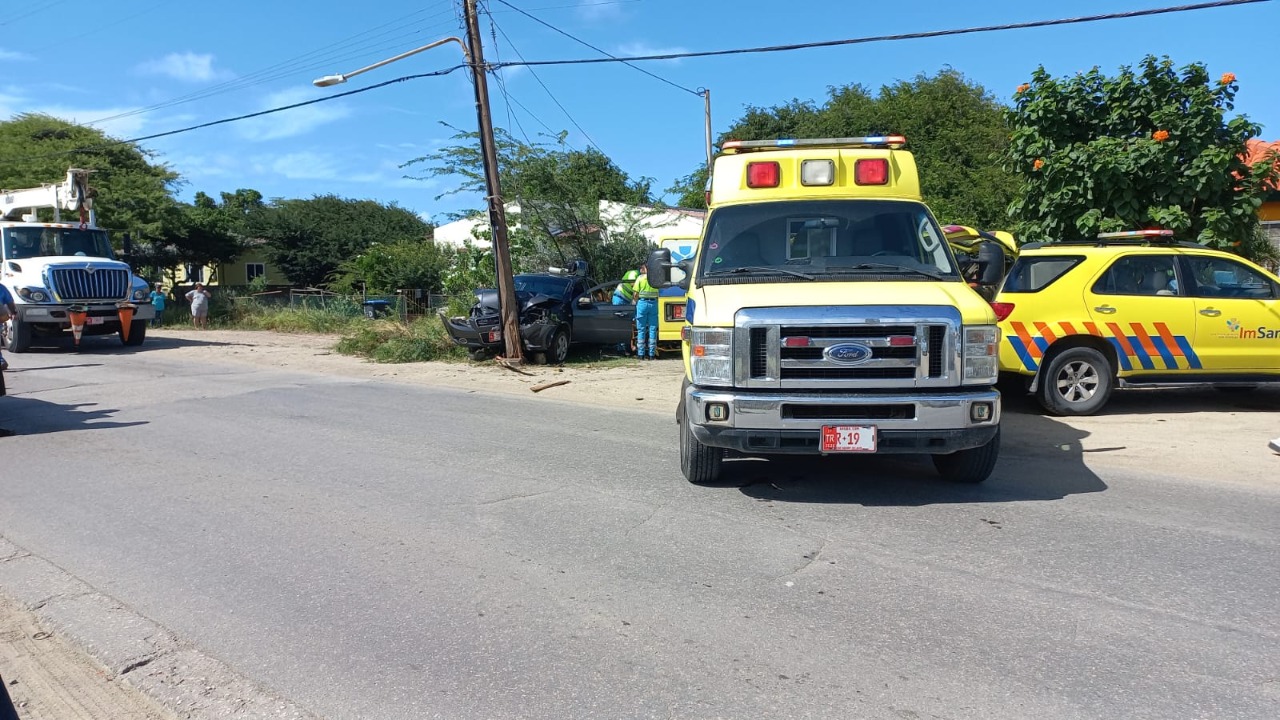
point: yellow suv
(1078, 319)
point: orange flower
(1037, 164)
(1228, 78)
(1023, 87)
(1160, 135)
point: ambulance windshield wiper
(762, 269)
(936, 275)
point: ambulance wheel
(1077, 381)
(970, 466)
(701, 464)
(19, 336)
(137, 333)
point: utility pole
(706, 98)
(497, 213)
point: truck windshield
(825, 239)
(30, 242)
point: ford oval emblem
(848, 353)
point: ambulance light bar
(890, 141)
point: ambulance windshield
(826, 239)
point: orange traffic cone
(79, 314)
(125, 311)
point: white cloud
(187, 67)
(289, 123)
(599, 10)
(14, 100)
(13, 55)
(636, 49)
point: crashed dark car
(556, 311)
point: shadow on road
(110, 345)
(29, 416)
(1040, 459)
(1173, 400)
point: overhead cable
(602, 52)
(888, 38)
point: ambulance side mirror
(990, 263)
(658, 267)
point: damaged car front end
(544, 326)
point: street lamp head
(329, 80)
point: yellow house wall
(1270, 211)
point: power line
(602, 52)
(888, 38)
(29, 13)
(237, 118)
(544, 87)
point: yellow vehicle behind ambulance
(826, 314)
(671, 300)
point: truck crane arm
(71, 194)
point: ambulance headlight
(818, 172)
(711, 356)
(981, 354)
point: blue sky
(87, 60)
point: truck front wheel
(19, 336)
(701, 464)
(969, 466)
(137, 333)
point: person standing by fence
(158, 299)
(199, 299)
(646, 318)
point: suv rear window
(1033, 274)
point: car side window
(1034, 273)
(1223, 278)
(1149, 275)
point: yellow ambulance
(826, 314)
(671, 301)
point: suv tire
(1077, 381)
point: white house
(655, 223)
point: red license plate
(848, 438)
(493, 336)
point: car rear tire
(558, 348)
(970, 466)
(478, 355)
(701, 464)
(1078, 381)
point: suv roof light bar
(867, 141)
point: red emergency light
(764, 174)
(873, 171)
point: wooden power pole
(497, 213)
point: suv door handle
(1105, 309)
(1211, 312)
(622, 314)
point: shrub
(387, 341)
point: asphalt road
(373, 550)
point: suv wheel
(1078, 381)
(558, 348)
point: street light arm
(328, 80)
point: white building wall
(653, 223)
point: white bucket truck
(64, 275)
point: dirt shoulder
(49, 678)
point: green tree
(1147, 147)
(132, 191)
(558, 192)
(403, 264)
(309, 238)
(953, 127)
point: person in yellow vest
(646, 318)
(625, 293)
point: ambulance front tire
(1077, 381)
(19, 336)
(970, 466)
(700, 464)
